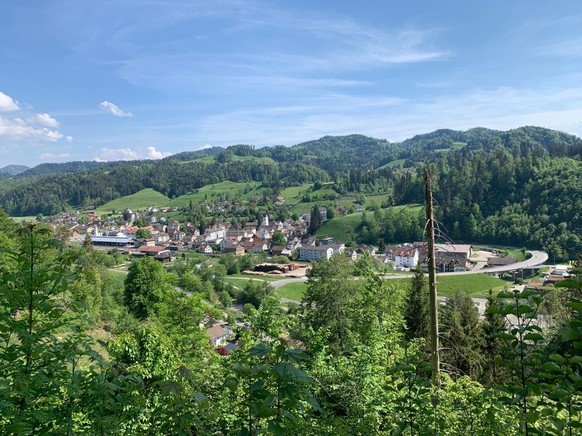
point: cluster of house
(553, 277)
(170, 236)
(448, 257)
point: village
(164, 239)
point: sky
(143, 79)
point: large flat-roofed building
(112, 241)
(460, 253)
(312, 253)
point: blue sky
(128, 79)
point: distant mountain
(354, 162)
(63, 168)
(12, 170)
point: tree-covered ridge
(12, 170)
(521, 185)
(45, 169)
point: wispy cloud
(43, 120)
(114, 109)
(568, 48)
(54, 157)
(264, 44)
(397, 119)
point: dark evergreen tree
(416, 309)
(315, 220)
(461, 339)
(493, 325)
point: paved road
(536, 258)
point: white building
(406, 257)
(311, 253)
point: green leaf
(536, 337)
(569, 334)
(231, 383)
(296, 355)
(259, 350)
(241, 368)
(314, 403)
(551, 367)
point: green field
(342, 228)
(293, 194)
(394, 164)
(475, 285)
(149, 197)
(138, 201)
(23, 218)
(292, 291)
(211, 192)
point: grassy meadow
(138, 201)
(475, 285)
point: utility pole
(434, 318)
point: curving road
(536, 258)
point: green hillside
(149, 197)
(212, 192)
(342, 228)
(345, 228)
(139, 200)
(393, 164)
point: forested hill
(523, 185)
(12, 170)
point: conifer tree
(493, 325)
(416, 313)
(315, 220)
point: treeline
(351, 360)
(56, 193)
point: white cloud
(19, 129)
(7, 103)
(23, 128)
(44, 120)
(126, 153)
(114, 109)
(54, 156)
(107, 154)
(152, 153)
